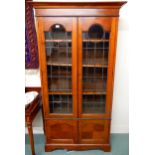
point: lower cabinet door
(77, 131)
(61, 131)
(94, 131)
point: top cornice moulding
(84, 5)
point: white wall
(120, 110)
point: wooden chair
(31, 111)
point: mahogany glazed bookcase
(77, 50)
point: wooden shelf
(95, 62)
(60, 62)
(94, 110)
(94, 93)
(95, 40)
(96, 65)
(70, 93)
(69, 65)
(59, 93)
(98, 77)
(60, 77)
(58, 101)
(50, 63)
(58, 40)
(93, 48)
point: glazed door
(58, 57)
(94, 70)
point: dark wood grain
(93, 131)
(61, 131)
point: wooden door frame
(110, 69)
(43, 69)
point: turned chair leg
(43, 118)
(30, 131)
